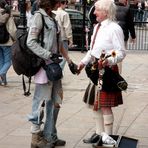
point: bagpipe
(108, 78)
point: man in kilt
(107, 38)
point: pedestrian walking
(107, 38)
(125, 20)
(47, 93)
(7, 33)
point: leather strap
(94, 38)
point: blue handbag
(53, 71)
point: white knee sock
(98, 116)
(108, 123)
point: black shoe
(59, 142)
(98, 143)
(3, 79)
(93, 139)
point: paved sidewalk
(75, 121)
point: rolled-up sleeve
(118, 52)
(87, 58)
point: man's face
(100, 14)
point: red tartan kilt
(106, 99)
(110, 99)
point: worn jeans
(65, 45)
(5, 59)
(42, 92)
(57, 97)
(49, 92)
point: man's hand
(70, 42)
(80, 67)
(133, 40)
(102, 63)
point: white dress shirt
(109, 38)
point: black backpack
(24, 61)
(4, 34)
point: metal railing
(141, 29)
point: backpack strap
(42, 31)
(57, 34)
(26, 92)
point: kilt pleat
(110, 99)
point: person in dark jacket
(125, 20)
(91, 16)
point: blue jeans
(43, 92)
(50, 93)
(57, 97)
(1, 60)
(65, 45)
(5, 59)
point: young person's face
(65, 5)
(56, 6)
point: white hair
(109, 6)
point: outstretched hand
(80, 67)
(73, 68)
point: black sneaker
(93, 139)
(59, 142)
(98, 143)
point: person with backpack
(7, 37)
(47, 93)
